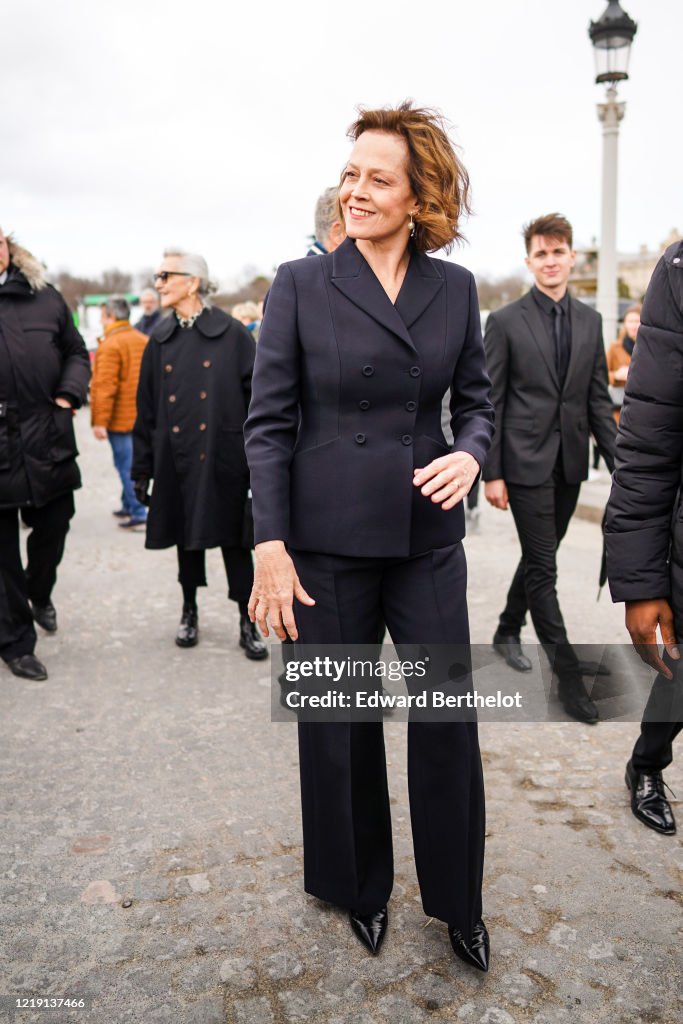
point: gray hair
(117, 306)
(193, 263)
(326, 213)
(149, 291)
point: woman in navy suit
(358, 508)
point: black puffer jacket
(644, 527)
(42, 356)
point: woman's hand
(447, 480)
(276, 584)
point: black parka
(193, 396)
(644, 526)
(42, 356)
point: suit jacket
(346, 402)
(535, 414)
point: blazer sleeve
(496, 347)
(649, 450)
(272, 424)
(600, 411)
(143, 430)
(472, 414)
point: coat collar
(354, 277)
(211, 324)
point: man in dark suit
(546, 361)
(644, 530)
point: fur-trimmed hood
(27, 264)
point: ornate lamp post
(611, 35)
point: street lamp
(611, 36)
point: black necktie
(561, 342)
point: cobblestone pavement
(150, 856)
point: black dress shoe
(648, 802)
(370, 928)
(509, 648)
(577, 703)
(45, 615)
(28, 667)
(476, 953)
(250, 640)
(188, 630)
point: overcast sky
(127, 127)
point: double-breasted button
(415, 371)
(202, 394)
(168, 367)
(171, 398)
(368, 370)
(407, 439)
(202, 426)
(176, 430)
(364, 404)
(206, 364)
(411, 406)
(202, 456)
(360, 438)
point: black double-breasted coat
(192, 401)
(347, 402)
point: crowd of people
(337, 435)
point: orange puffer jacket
(115, 377)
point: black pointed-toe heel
(476, 953)
(370, 928)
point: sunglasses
(163, 275)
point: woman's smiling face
(375, 194)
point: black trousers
(348, 857)
(44, 548)
(239, 570)
(541, 515)
(662, 721)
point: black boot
(188, 630)
(476, 952)
(250, 639)
(370, 928)
(28, 667)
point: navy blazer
(346, 402)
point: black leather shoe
(45, 615)
(648, 802)
(28, 667)
(509, 648)
(370, 928)
(188, 630)
(577, 703)
(250, 640)
(476, 953)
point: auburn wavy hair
(438, 178)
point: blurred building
(635, 271)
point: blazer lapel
(579, 334)
(532, 317)
(423, 282)
(354, 278)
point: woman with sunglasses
(193, 395)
